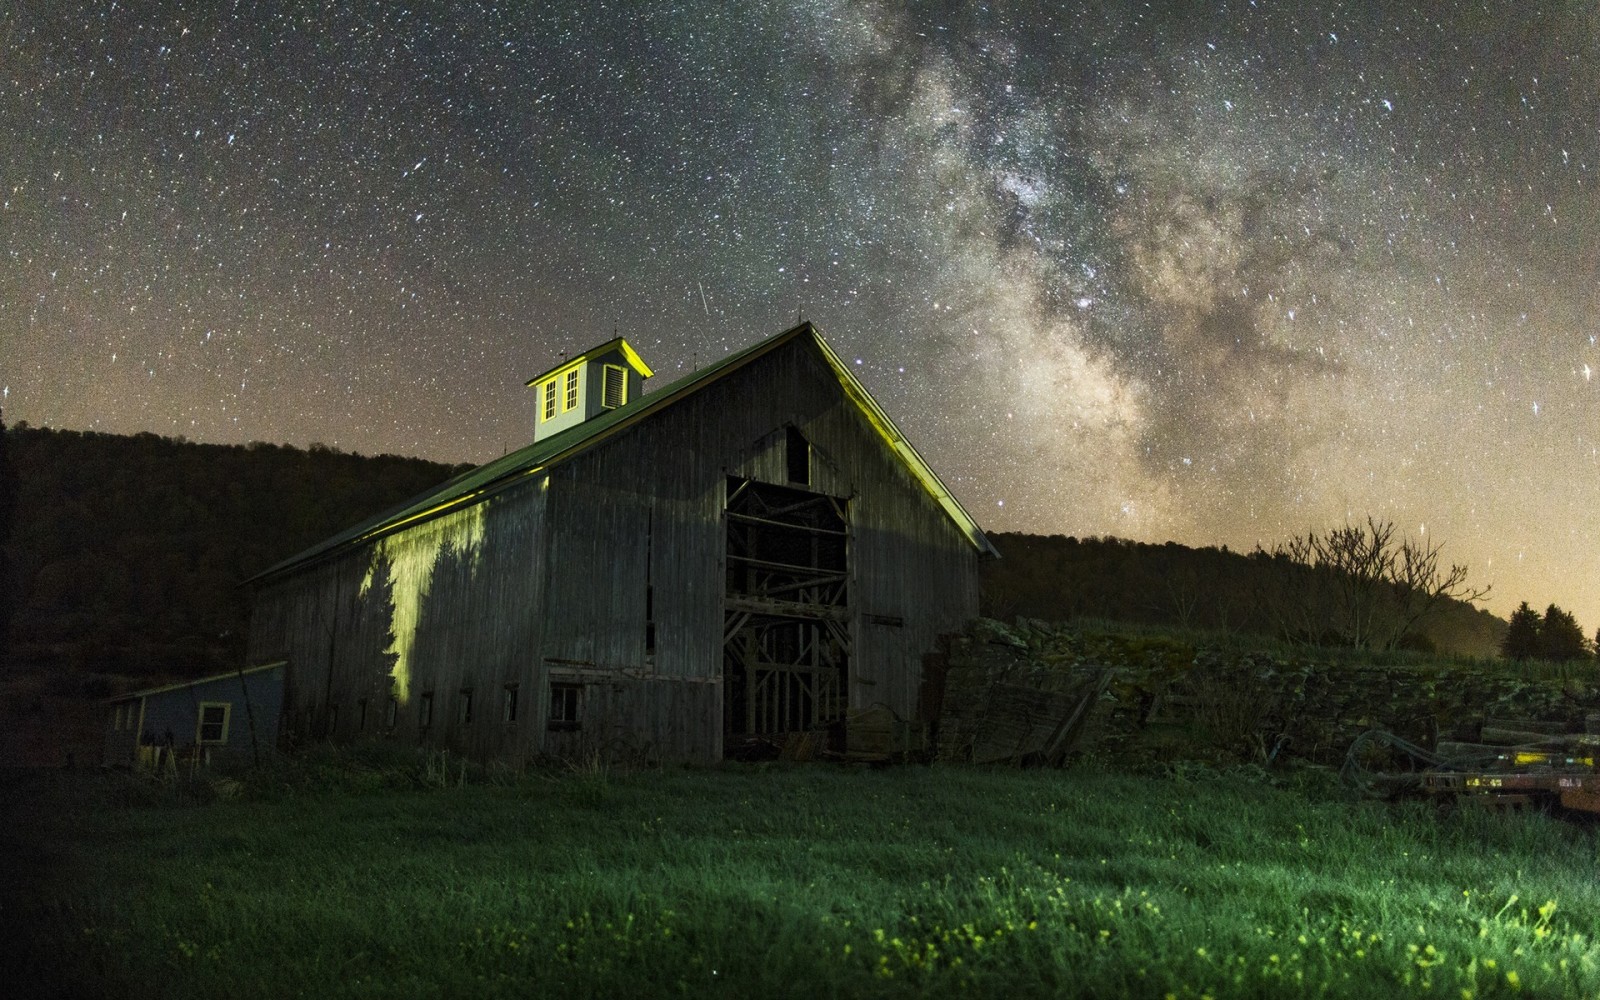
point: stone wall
(1006, 689)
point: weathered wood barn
(750, 551)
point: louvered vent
(615, 392)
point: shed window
(572, 390)
(798, 452)
(394, 712)
(565, 701)
(212, 726)
(615, 392)
(464, 707)
(425, 710)
(549, 412)
(508, 704)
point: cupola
(600, 379)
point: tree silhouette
(1560, 638)
(1522, 638)
(1365, 587)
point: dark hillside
(1058, 578)
(127, 553)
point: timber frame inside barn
(751, 551)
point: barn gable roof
(491, 478)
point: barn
(751, 551)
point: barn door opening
(786, 628)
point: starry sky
(1219, 274)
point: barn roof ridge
(479, 484)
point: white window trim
(200, 718)
(571, 391)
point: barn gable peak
(600, 379)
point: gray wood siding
(908, 559)
(547, 581)
(465, 591)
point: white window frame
(200, 723)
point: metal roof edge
(891, 432)
(243, 672)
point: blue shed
(226, 719)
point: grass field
(330, 878)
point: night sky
(1216, 277)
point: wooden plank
(1505, 736)
(1550, 727)
(786, 609)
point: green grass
(790, 881)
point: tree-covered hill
(127, 553)
(1059, 578)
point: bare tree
(1366, 586)
(1421, 587)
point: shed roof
(491, 478)
(230, 675)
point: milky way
(1218, 278)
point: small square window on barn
(508, 704)
(464, 707)
(615, 390)
(798, 452)
(565, 702)
(212, 725)
(425, 710)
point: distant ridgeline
(127, 552)
(1055, 578)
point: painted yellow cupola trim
(602, 378)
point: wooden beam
(786, 609)
(753, 519)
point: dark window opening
(394, 712)
(508, 709)
(464, 707)
(565, 701)
(649, 584)
(425, 710)
(649, 621)
(798, 452)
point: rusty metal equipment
(1529, 764)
